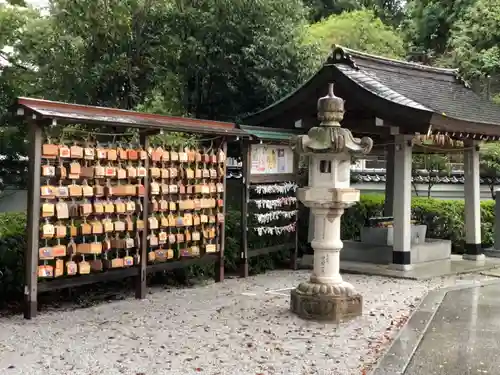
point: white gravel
(233, 328)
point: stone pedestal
(323, 302)
(326, 297)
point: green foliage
(12, 246)
(475, 40)
(360, 30)
(215, 59)
(234, 57)
(490, 163)
(431, 162)
(12, 249)
(390, 11)
(321, 9)
(434, 164)
(16, 79)
(428, 24)
(490, 158)
(158, 103)
(444, 218)
(12, 224)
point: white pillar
(401, 253)
(327, 245)
(473, 249)
(496, 232)
(389, 181)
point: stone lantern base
(329, 303)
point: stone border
(398, 356)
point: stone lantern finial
(329, 136)
(330, 109)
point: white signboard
(269, 159)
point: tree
(237, 56)
(320, 9)
(490, 164)
(475, 40)
(390, 11)
(101, 52)
(16, 79)
(360, 30)
(432, 165)
(213, 59)
(427, 26)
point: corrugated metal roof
(270, 133)
(75, 113)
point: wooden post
(219, 264)
(294, 251)
(33, 223)
(245, 181)
(141, 286)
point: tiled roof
(422, 87)
(370, 82)
(418, 98)
(423, 178)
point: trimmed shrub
(444, 218)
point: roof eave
(459, 128)
(74, 113)
(289, 100)
(262, 133)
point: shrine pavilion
(393, 102)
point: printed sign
(267, 159)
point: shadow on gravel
(99, 293)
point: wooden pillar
(294, 251)
(141, 286)
(219, 264)
(245, 185)
(33, 223)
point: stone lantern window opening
(325, 166)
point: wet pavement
(455, 331)
(464, 335)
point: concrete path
(454, 331)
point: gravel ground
(235, 328)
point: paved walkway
(452, 332)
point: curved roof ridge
(374, 86)
(347, 58)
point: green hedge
(444, 220)
(13, 244)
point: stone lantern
(329, 148)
